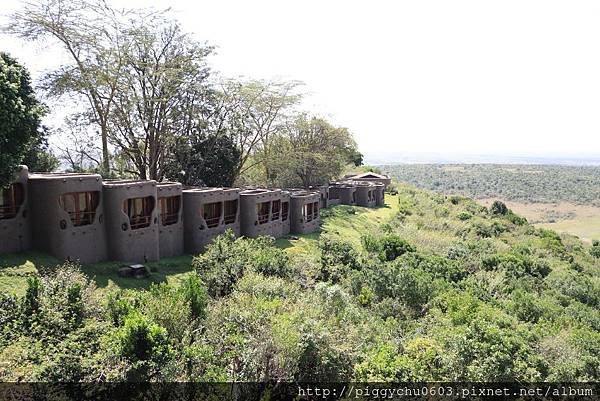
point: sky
(469, 77)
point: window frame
(81, 216)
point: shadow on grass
(37, 259)
(15, 267)
(163, 271)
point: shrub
(595, 249)
(392, 246)
(144, 344)
(222, 264)
(498, 208)
(194, 292)
(516, 265)
(336, 258)
(464, 216)
(271, 261)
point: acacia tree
(254, 112)
(165, 82)
(20, 115)
(311, 151)
(88, 30)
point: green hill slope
(429, 288)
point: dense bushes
(423, 299)
(228, 257)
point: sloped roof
(370, 174)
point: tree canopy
(20, 116)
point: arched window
(263, 210)
(81, 206)
(231, 209)
(169, 209)
(276, 209)
(285, 207)
(139, 211)
(211, 212)
(11, 199)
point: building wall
(250, 225)
(170, 224)
(15, 232)
(323, 193)
(197, 233)
(124, 243)
(301, 223)
(380, 194)
(365, 194)
(285, 222)
(344, 192)
(78, 235)
(114, 231)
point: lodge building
(75, 216)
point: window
(81, 206)
(334, 194)
(315, 210)
(169, 209)
(307, 212)
(262, 210)
(285, 207)
(353, 197)
(11, 199)
(211, 212)
(139, 211)
(276, 209)
(231, 208)
(370, 196)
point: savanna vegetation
(520, 183)
(430, 287)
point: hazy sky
(519, 77)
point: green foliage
(227, 258)
(311, 151)
(39, 157)
(464, 216)
(20, 115)
(595, 249)
(519, 183)
(194, 292)
(392, 246)
(143, 343)
(336, 258)
(498, 208)
(516, 265)
(204, 159)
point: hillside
(430, 287)
(562, 198)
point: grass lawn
(15, 268)
(343, 222)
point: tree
(498, 208)
(254, 112)
(164, 87)
(204, 160)
(20, 115)
(311, 152)
(39, 157)
(88, 31)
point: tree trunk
(105, 156)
